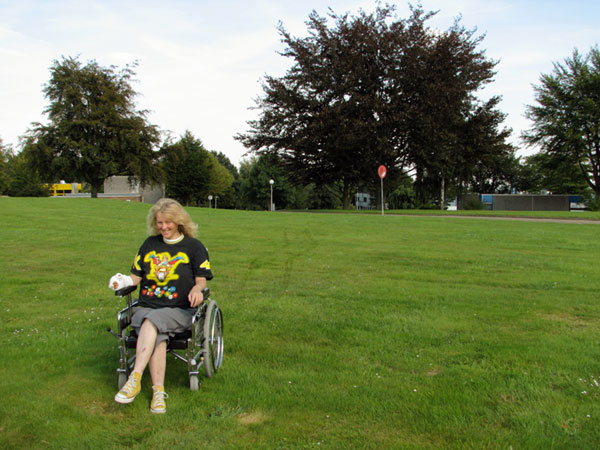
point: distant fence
(523, 202)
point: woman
(172, 268)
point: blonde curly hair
(173, 211)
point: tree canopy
(192, 173)
(94, 130)
(566, 116)
(373, 89)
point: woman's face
(167, 228)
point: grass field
(341, 331)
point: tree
(497, 174)
(193, 173)
(94, 130)
(547, 172)
(371, 90)
(449, 128)
(185, 164)
(323, 117)
(566, 118)
(229, 198)
(403, 195)
(255, 174)
(220, 181)
(487, 163)
(22, 181)
(5, 156)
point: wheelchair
(200, 346)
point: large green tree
(566, 116)
(192, 173)
(486, 162)
(255, 174)
(372, 89)
(547, 172)
(94, 129)
(449, 129)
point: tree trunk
(419, 186)
(95, 190)
(345, 195)
(442, 193)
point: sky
(201, 62)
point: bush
(403, 197)
(25, 188)
(473, 204)
(592, 203)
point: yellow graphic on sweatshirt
(163, 266)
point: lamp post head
(271, 182)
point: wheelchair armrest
(126, 290)
(201, 308)
(124, 316)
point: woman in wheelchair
(171, 268)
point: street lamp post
(210, 197)
(271, 182)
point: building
(363, 201)
(119, 187)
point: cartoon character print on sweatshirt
(163, 266)
(162, 270)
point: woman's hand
(196, 296)
(120, 281)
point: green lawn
(341, 331)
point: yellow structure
(60, 189)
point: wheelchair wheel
(212, 344)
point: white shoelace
(129, 387)
(158, 399)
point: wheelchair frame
(201, 346)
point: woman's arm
(196, 297)
(120, 281)
(136, 280)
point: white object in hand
(120, 281)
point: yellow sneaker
(158, 405)
(130, 390)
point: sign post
(382, 171)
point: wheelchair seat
(177, 342)
(200, 346)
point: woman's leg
(158, 364)
(145, 346)
(144, 350)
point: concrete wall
(119, 187)
(521, 202)
(530, 203)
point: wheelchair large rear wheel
(212, 344)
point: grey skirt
(168, 321)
